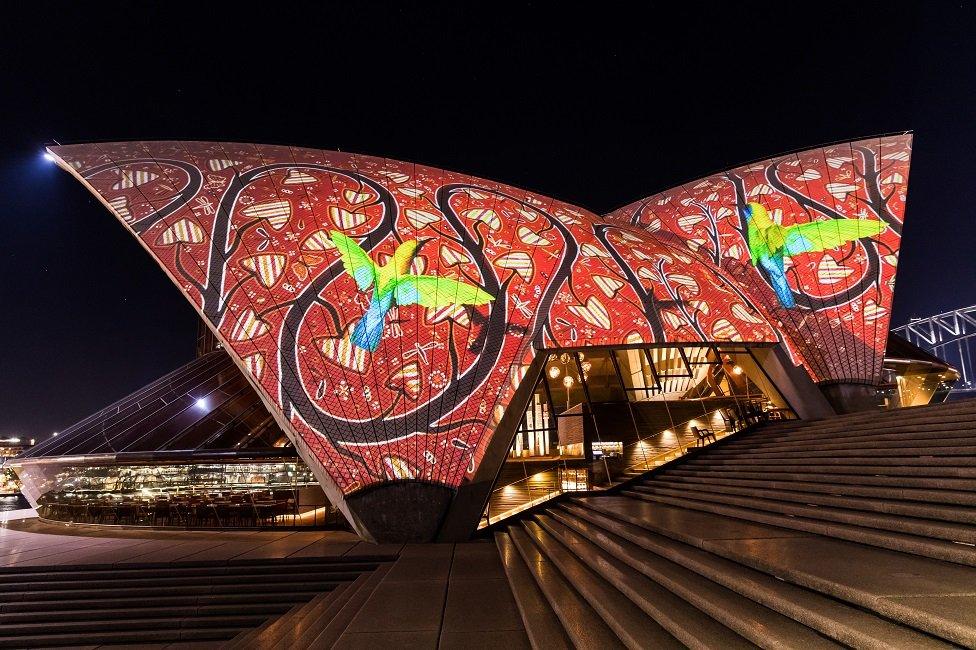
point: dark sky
(597, 106)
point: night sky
(597, 107)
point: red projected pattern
(303, 261)
(839, 324)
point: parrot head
(405, 254)
(756, 212)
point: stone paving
(433, 596)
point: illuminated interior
(598, 414)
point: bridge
(949, 336)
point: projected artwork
(387, 311)
(811, 238)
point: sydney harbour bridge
(951, 336)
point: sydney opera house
(417, 353)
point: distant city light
(55, 434)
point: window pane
(636, 372)
(601, 377)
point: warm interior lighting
(568, 381)
(737, 370)
(553, 372)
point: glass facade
(915, 383)
(189, 495)
(195, 448)
(598, 414)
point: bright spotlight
(201, 403)
(48, 157)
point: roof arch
(402, 381)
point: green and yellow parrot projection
(770, 243)
(394, 285)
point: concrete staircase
(316, 624)
(174, 603)
(855, 531)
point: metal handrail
(680, 447)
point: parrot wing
(434, 293)
(824, 235)
(754, 240)
(355, 260)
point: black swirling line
(562, 272)
(192, 187)
(871, 275)
(290, 386)
(650, 306)
(802, 299)
(421, 419)
(213, 305)
(876, 200)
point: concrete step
(158, 601)
(868, 421)
(316, 637)
(897, 482)
(107, 584)
(898, 434)
(919, 592)
(151, 572)
(676, 598)
(953, 532)
(138, 624)
(585, 628)
(621, 599)
(541, 623)
(955, 514)
(794, 464)
(916, 413)
(798, 429)
(863, 461)
(933, 548)
(318, 614)
(949, 497)
(644, 550)
(122, 637)
(886, 434)
(882, 449)
(265, 610)
(83, 592)
(273, 627)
